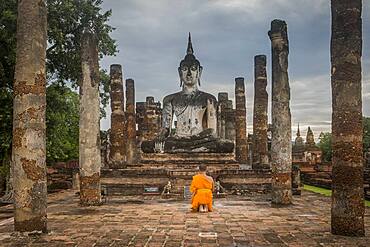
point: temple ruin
(155, 147)
(206, 130)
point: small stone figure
(218, 188)
(220, 191)
(167, 188)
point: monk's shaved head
(202, 167)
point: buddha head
(190, 69)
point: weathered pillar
(221, 123)
(152, 118)
(131, 123)
(29, 139)
(229, 121)
(89, 137)
(117, 139)
(241, 148)
(260, 152)
(347, 210)
(281, 143)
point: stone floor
(131, 221)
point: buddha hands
(160, 140)
(159, 147)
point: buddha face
(189, 74)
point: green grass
(325, 192)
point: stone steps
(134, 181)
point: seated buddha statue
(196, 114)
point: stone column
(221, 124)
(152, 118)
(131, 123)
(281, 143)
(241, 148)
(260, 152)
(230, 121)
(347, 210)
(117, 139)
(89, 137)
(29, 139)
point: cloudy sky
(226, 35)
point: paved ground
(236, 221)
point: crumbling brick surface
(38, 87)
(117, 132)
(90, 191)
(347, 214)
(241, 147)
(260, 152)
(33, 171)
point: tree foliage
(7, 64)
(66, 21)
(325, 146)
(325, 140)
(8, 25)
(62, 117)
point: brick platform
(148, 221)
(156, 170)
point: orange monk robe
(201, 187)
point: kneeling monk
(201, 187)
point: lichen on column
(89, 131)
(29, 138)
(281, 145)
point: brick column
(131, 148)
(89, 137)
(281, 143)
(229, 121)
(117, 138)
(29, 139)
(241, 148)
(260, 152)
(221, 118)
(152, 118)
(347, 210)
